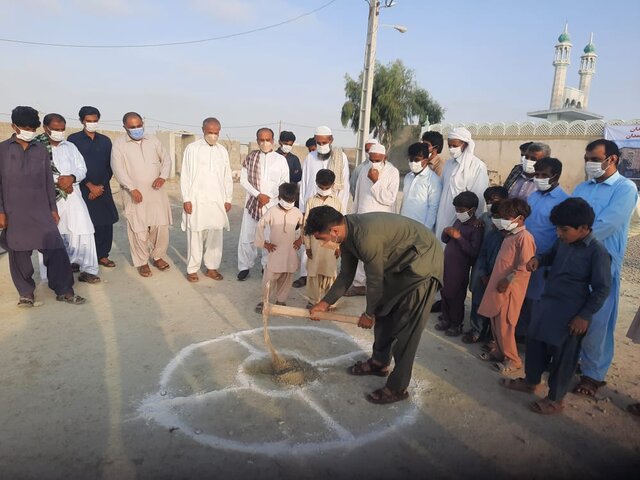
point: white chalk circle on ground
(211, 392)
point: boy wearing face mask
(422, 188)
(322, 263)
(548, 194)
(463, 241)
(279, 233)
(507, 285)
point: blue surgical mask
(136, 133)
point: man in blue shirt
(548, 194)
(613, 198)
(95, 188)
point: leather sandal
(160, 264)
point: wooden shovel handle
(285, 311)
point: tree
(397, 101)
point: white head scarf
(469, 163)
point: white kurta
(74, 214)
(421, 197)
(206, 182)
(274, 171)
(380, 196)
(353, 180)
(477, 183)
(310, 168)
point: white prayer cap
(323, 131)
(378, 148)
(371, 141)
(460, 133)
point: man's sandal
(546, 406)
(106, 262)
(361, 369)
(384, 396)
(192, 277)
(71, 299)
(160, 264)
(506, 368)
(214, 275)
(88, 278)
(518, 384)
(27, 302)
(587, 386)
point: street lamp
(364, 120)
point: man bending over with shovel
(403, 262)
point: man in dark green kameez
(403, 262)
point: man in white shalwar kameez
(376, 191)
(207, 193)
(324, 157)
(463, 172)
(75, 224)
(263, 171)
(364, 165)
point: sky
(482, 60)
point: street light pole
(364, 121)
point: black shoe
(299, 283)
(436, 307)
(242, 276)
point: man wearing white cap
(365, 165)
(324, 157)
(376, 191)
(464, 172)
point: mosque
(570, 103)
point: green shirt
(398, 255)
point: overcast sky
(484, 61)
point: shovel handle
(285, 311)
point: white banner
(627, 137)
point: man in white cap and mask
(365, 165)
(464, 172)
(376, 191)
(324, 157)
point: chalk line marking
(164, 408)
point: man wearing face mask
(434, 143)
(207, 193)
(365, 165)
(75, 224)
(422, 187)
(324, 157)
(286, 141)
(517, 170)
(464, 171)
(403, 262)
(96, 188)
(548, 194)
(263, 171)
(141, 165)
(29, 214)
(524, 185)
(613, 199)
(376, 191)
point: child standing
(463, 241)
(481, 273)
(507, 285)
(281, 225)
(322, 263)
(577, 286)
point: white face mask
(324, 149)
(504, 224)
(528, 166)
(463, 216)
(455, 152)
(26, 135)
(542, 184)
(266, 147)
(286, 205)
(416, 167)
(594, 169)
(497, 223)
(324, 193)
(211, 138)
(91, 127)
(286, 148)
(56, 136)
(377, 165)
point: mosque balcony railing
(561, 128)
